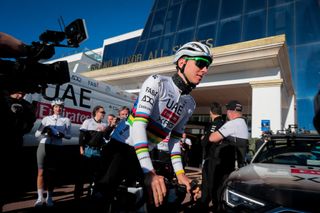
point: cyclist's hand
(183, 179)
(156, 188)
(194, 190)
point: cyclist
(163, 108)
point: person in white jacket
(52, 130)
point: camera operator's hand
(37, 51)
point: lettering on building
(148, 56)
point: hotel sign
(151, 55)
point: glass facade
(220, 22)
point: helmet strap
(190, 85)
(181, 84)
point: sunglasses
(200, 62)
(103, 112)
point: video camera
(28, 75)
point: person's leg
(205, 195)
(40, 176)
(54, 155)
(79, 180)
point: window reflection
(171, 19)
(167, 45)
(184, 37)
(208, 11)
(231, 8)
(206, 32)
(281, 22)
(255, 26)
(158, 23)
(230, 32)
(188, 14)
(308, 19)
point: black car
(283, 176)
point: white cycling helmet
(57, 101)
(193, 49)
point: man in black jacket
(209, 182)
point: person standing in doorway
(185, 144)
(233, 142)
(210, 183)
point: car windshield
(290, 150)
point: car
(283, 176)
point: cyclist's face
(193, 72)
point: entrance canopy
(256, 73)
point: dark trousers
(120, 163)
(216, 168)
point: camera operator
(17, 119)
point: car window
(290, 151)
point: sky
(26, 20)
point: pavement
(25, 193)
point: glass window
(162, 4)
(166, 45)
(184, 37)
(158, 23)
(140, 47)
(188, 14)
(146, 30)
(152, 49)
(207, 33)
(230, 31)
(281, 22)
(308, 66)
(231, 8)
(273, 3)
(254, 26)
(208, 11)
(171, 20)
(175, 1)
(253, 5)
(305, 112)
(307, 21)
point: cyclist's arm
(141, 114)
(142, 111)
(175, 137)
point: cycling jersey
(160, 110)
(57, 123)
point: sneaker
(49, 202)
(38, 203)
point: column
(266, 105)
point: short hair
(124, 108)
(112, 115)
(215, 108)
(95, 109)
